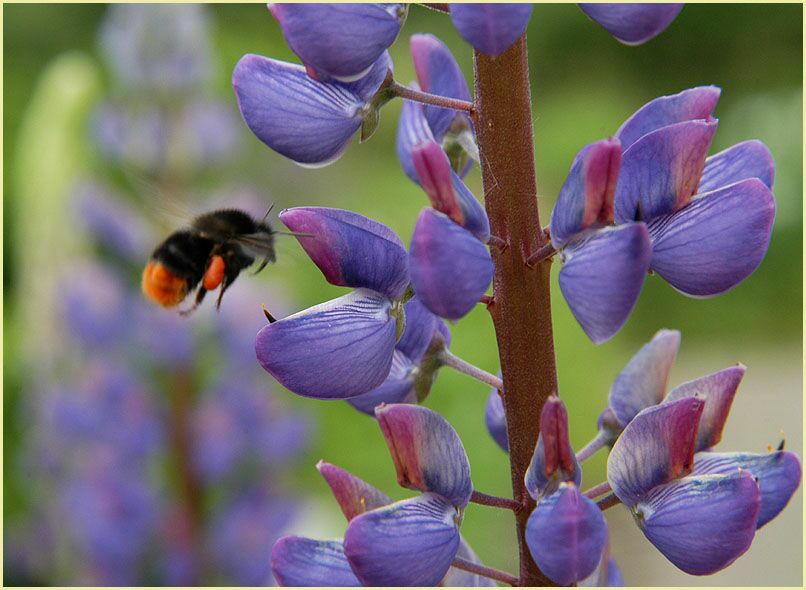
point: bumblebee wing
(162, 204)
(259, 245)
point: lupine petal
(603, 276)
(305, 120)
(715, 242)
(606, 574)
(566, 535)
(397, 388)
(689, 105)
(408, 543)
(351, 250)
(339, 40)
(427, 452)
(586, 197)
(354, 495)
(438, 73)
(421, 325)
(717, 390)
(642, 382)
(655, 448)
(660, 172)
(335, 350)
(450, 268)
(702, 523)
(308, 121)
(297, 561)
(491, 28)
(553, 460)
(495, 419)
(778, 475)
(749, 159)
(446, 191)
(633, 24)
(457, 577)
(412, 130)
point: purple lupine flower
(606, 574)
(643, 381)
(157, 48)
(700, 522)
(111, 223)
(415, 361)
(139, 138)
(707, 220)
(298, 561)
(566, 532)
(309, 121)
(339, 41)
(413, 542)
(491, 28)
(242, 533)
(633, 24)
(209, 131)
(94, 301)
(344, 347)
(236, 426)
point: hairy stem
(495, 501)
(521, 312)
(432, 99)
(608, 502)
(598, 490)
(454, 362)
(599, 441)
(483, 570)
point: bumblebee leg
(199, 297)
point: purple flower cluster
(648, 199)
(157, 452)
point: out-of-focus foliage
(584, 84)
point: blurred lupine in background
(155, 453)
(648, 199)
(154, 450)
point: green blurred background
(584, 85)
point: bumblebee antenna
(293, 233)
(268, 315)
(269, 211)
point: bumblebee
(213, 251)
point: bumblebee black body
(213, 250)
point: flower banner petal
(566, 535)
(702, 523)
(689, 105)
(554, 460)
(339, 40)
(354, 495)
(586, 197)
(335, 350)
(717, 241)
(778, 474)
(642, 382)
(633, 24)
(717, 390)
(412, 130)
(427, 452)
(297, 561)
(351, 250)
(603, 276)
(655, 448)
(491, 28)
(450, 268)
(660, 172)
(408, 543)
(749, 159)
